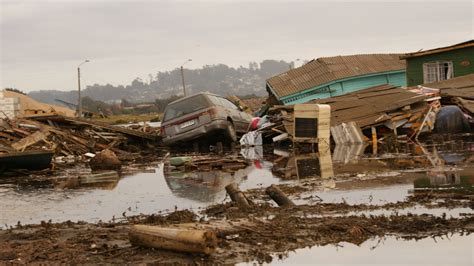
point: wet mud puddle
(109, 196)
(448, 250)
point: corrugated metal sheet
(369, 106)
(454, 83)
(328, 69)
(465, 44)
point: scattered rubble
(71, 140)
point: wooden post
(191, 241)
(278, 196)
(374, 140)
(236, 195)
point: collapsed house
(456, 91)
(332, 76)
(384, 108)
(14, 104)
(368, 94)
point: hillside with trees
(220, 79)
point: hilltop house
(331, 76)
(439, 64)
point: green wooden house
(439, 64)
(332, 76)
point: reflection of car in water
(203, 115)
(203, 186)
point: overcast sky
(42, 42)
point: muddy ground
(245, 235)
(439, 205)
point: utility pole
(79, 100)
(182, 76)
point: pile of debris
(457, 91)
(68, 139)
(383, 109)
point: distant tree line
(220, 79)
(15, 90)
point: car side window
(215, 100)
(229, 104)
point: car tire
(231, 133)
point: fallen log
(182, 240)
(236, 195)
(278, 196)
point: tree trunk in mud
(278, 196)
(182, 240)
(236, 195)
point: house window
(437, 71)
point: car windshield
(185, 107)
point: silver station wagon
(203, 119)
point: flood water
(360, 177)
(141, 193)
(452, 250)
(349, 174)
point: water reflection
(348, 153)
(201, 186)
(101, 180)
(443, 250)
(304, 165)
(446, 180)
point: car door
(240, 122)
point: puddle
(134, 194)
(452, 250)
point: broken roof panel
(453, 83)
(465, 44)
(370, 106)
(329, 69)
(459, 90)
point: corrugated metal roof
(465, 44)
(370, 106)
(327, 69)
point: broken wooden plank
(32, 139)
